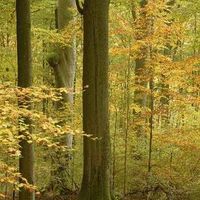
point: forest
(99, 99)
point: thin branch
(79, 8)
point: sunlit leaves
(43, 130)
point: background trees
(171, 44)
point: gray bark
(65, 70)
(63, 63)
(64, 58)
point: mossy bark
(65, 68)
(62, 60)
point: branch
(79, 8)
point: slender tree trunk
(127, 121)
(114, 151)
(26, 160)
(140, 96)
(151, 126)
(96, 172)
(168, 52)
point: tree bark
(96, 173)
(165, 88)
(141, 82)
(64, 70)
(26, 160)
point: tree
(141, 81)
(63, 63)
(169, 53)
(95, 182)
(65, 68)
(62, 60)
(25, 80)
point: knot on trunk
(53, 59)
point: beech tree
(62, 60)
(95, 182)
(63, 64)
(25, 80)
(64, 69)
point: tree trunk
(140, 96)
(96, 173)
(25, 80)
(63, 59)
(165, 88)
(64, 71)
(127, 121)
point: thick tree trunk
(25, 80)
(64, 70)
(95, 183)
